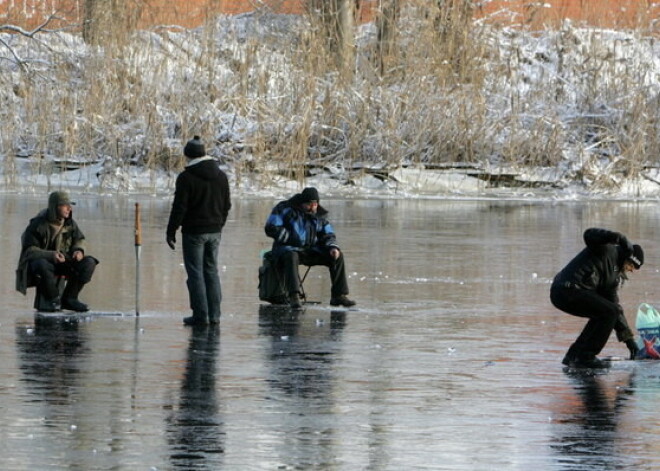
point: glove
(632, 348)
(171, 241)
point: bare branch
(11, 50)
(39, 29)
(29, 34)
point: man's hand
(334, 253)
(59, 257)
(171, 241)
(77, 255)
(632, 348)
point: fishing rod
(138, 247)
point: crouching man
(302, 235)
(52, 246)
(588, 287)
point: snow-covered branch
(42, 28)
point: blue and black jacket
(294, 229)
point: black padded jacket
(201, 199)
(599, 267)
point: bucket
(648, 327)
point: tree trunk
(347, 34)
(110, 21)
(337, 18)
(89, 22)
(386, 22)
(452, 25)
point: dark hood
(55, 199)
(207, 169)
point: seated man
(302, 235)
(53, 246)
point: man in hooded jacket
(200, 207)
(303, 235)
(588, 287)
(53, 246)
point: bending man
(588, 287)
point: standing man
(588, 287)
(302, 235)
(52, 246)
(200, 207)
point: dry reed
(269, 99)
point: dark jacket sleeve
(622, 329)
(34, 243)
(275, 224)
(326, 235)
(179, 206)
(77, 239)
(226, 194)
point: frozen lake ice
(450, 362)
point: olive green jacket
(40, 241)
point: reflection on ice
(195, 428)
(588, 434)
(451, 360)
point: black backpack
(271, 283)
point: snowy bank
(567, 114)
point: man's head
(59, 205)
(194, 148)
(309, 199)
(635, 260)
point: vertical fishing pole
(138, 247)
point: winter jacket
(293, 229)
(599, 267)
(201, 199)
(39, 240)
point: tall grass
(269, 99)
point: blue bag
(648, 327)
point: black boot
(294, 301)
(49, 305)
(342, 301)
(70, 297)
(578, 359)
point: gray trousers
(200, 257)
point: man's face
(63, 211)
(628, 267)
(310, 207)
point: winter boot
(70, 297)
(294, 301)
(342, 301)
(584, 361)
(49, 305)
(195, 321)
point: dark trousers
(200, 257)
(601, 312)
(43, 273)
(290, 260)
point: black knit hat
(637, 256)
(194, 148)
(309, 194)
